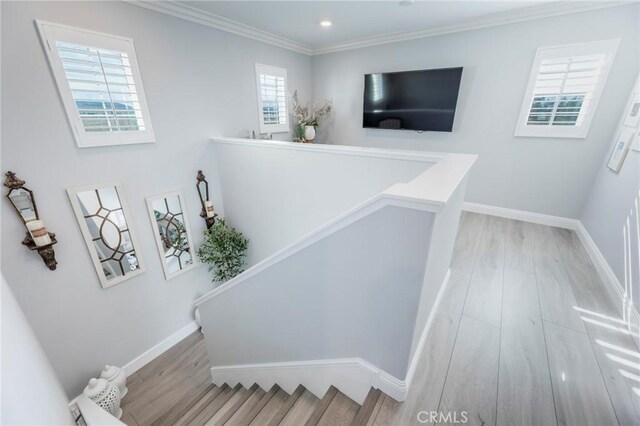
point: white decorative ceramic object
(116, 377)
(309, 133)
(105, 395)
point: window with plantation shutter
(564, 89)
(271, 84)
(99, 82)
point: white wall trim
(493, 20)
(616, 289)
(542, 219)
(425, 332)
(193, 14)
(198, 16)
(358, 151)
(352, 376)
(157, 350)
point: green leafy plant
(224, 250)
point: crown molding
(493, 20)
(190, 13)
(193, 14)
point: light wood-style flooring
(526, 334)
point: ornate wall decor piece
(103, 216)
(171, 230)
(24, 203)
(207, 205)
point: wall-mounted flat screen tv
(423, 100)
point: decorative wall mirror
(24, 203)
(171, 230)
(104, 220)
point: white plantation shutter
(271, 83)
(100, 85)
(564, 89)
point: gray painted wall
(550, 176)
(199, 83)
(354, 293)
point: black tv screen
(423, 100)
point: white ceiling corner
(373, 23)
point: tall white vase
(309, 133)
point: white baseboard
(352, 376)
(425, 332)
(542, 219)
(615, 288)
(157, 350)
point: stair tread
(199, 406)
(288, 404)
(270, 410)
(248, 418)
(367, 408)
(386, 411)
(213, 407)
(183, 406)
(249, 404)
(231, 406)
(341, 411)
(301, 410)
(321, 407)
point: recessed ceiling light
(326, 24)
(406, 2)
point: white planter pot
(309, 133)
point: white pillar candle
(38, 233)
(208, 205)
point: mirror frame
(86, 234)
(159, 244)
(33, 202)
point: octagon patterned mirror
(105, 223)
(171, 230)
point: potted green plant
(224, 250)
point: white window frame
(606, 47)
(278, 72)
(50, 33)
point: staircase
(241, 406)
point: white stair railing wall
(349, 303)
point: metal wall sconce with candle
(207, 205)
(24, 203)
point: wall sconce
(24, 203)
(207, 206)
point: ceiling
(352, 20)
(296, 24)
